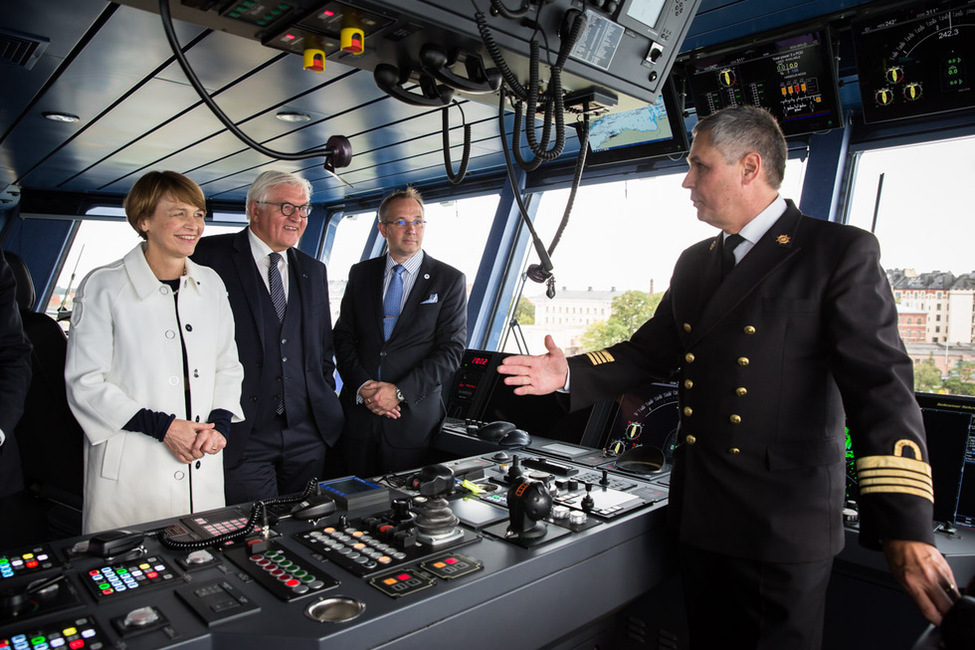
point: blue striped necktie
(391, 303)
(277, 286)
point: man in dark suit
(279, 296)
(400, 334)
(15, 375)
(800, 324)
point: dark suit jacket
(230, 256)
(15, 372)
(804, 325)
(422, 353)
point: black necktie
(276, 286)
(728, 253)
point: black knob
(604, 481)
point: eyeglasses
(288, 209)
(402, 223)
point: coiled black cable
(466, 156)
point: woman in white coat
(152, 370)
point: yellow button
(735, 419)
(687, 327)
(742, 361)
(690, 439)
(741, 391)
(688, 411)
(688, 383)
(749, 330)
(734, 451)
(689, 357)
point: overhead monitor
(794, 77)
(642, 133)
(916, 60)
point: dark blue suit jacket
(15, 372)
(230, 256)
(422, 353)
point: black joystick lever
(587, 502)
(604, 481)
(528, 503)
(516, 471)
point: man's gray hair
(270, 179)
(740, 130)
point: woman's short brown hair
(141, 201)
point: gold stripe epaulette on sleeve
(601, 356)
(895, 475)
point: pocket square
(432, 299)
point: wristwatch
(399, 395)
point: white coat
(124, 354)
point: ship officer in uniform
(782, 330)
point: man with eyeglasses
(279, 296)
(400, 335)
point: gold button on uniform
(689, 357)
(687, 327)
(743, 361)
(735, 419)
(734, 451)
(741, 391)
(690, 439)
(749, 330)
(688, 411)
(688, 383)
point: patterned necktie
(728, 253)
(391, 303)
(276, 286)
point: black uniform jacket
(230, 256)
(423, 351)
(804, 326)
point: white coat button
(174, 381)
(164, 290)
(284, 341)
(170, 334)
(179, 476)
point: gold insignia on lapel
(602, 356)
(783, 240)
(713, 244)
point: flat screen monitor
(639, 134)
(916, 60)
(949, 427)
(794, 77)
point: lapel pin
(713, 244)
(783, 240)
(426, 276)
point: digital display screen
(647, 12)
(641, 133)
(793, 77)
(917, 60)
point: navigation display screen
(793, 77)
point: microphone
(540, 272)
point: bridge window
(615, 257)
(456, 233)
(899, 193)
(101, 238)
